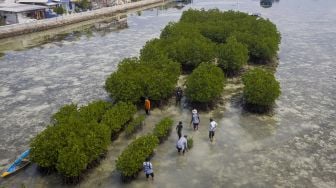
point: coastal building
(68, 6)
(47, 3)
(13, 13)
(96, 4)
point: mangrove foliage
(136, 79)
(118, 116)
(261, 89)
(79, 137)
(163, 129)
(135, 125)
(129, 163)
(205, 84)
(230, 39)
(259, 35)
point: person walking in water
(212, 129)
(179, 129)
(195, 119)
(147, 105)
(178, 95)
(182, 144)
(148, 168)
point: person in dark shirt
(179, 129)
(178, 95)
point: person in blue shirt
(148, 168)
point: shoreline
(46, 24)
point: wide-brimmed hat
(194, 111)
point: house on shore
(13, 13)
(68, 6)
(47, 3)
(50, 6)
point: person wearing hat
(212, 129)
(182, 144)
(195, 119)
(179, 129)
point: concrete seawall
(40, 25)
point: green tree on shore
(59, 10)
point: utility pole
(237, 5)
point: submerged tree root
(258, 109)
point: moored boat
(21, 162)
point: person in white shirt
(182, 144)
(148, 168)
(212, 129)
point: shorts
(195, 125)
(179, 149)
(151, 174)
(211, 134)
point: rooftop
(14, 7)
(41, 2)
(32, 1)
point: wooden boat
(21, 162)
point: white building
(13, 13)
(68, 5)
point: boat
(266, 3)
(179, 5)
(21, 162)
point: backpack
(195, 118)
(147, 166)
